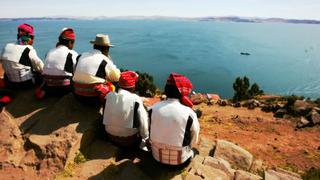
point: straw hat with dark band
(102, 40)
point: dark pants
(90, 100)
(24, 84)
(126, 142)
(57, 91)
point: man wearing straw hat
(95, 72)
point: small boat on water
(245, 53)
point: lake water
(285, 58)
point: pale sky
(298, 9)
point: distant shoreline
(211, 18)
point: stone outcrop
(252, 103)
(301, 107)
(48, 136)
(238, 157)
(314, 116)
(61, 132)
(199, 170)
(12, 146)
(198, 99)
(281, 174)
(206, 147)
(220, 164)
(244, 175)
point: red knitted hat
(128, 79)
(27, 28)
(68, 33)
(184, 86)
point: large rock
(60, 131)
(244, 175)
(198, 170)
(11, 142)
(252, 103)
(301, 107)
(314, 117)
(206, 147)
(258, 167)
(220, 164)
(303, 122)
(280, 113)
(222, 102)
(198, 99)
(238, 157)
(281, 174)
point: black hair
(28, 35)
(64, 41)
(172, 91)
(101, 48)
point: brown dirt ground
(275, 141)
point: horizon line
(160, 16)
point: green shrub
(79, 158)
(242, 91)
(241, 87)
(312, 174)
(255, 90)
(290, 102)
(145, 85)
(317, 101)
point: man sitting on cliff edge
(125, 118)
(95, 72)
(21, 64)
(59, 66)
(174, 128)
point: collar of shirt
(95, 51)
(173, 100)
(62, 47)
(123, 91)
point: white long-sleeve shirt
(95, 67)
(125, 115)
(174, 131)
(60, 61)
(17, 61)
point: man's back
(94, 67)
(119, 113)
(58, 59)
(18, 60)
(169, 121)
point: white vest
(124, 114)
(60, 61)
(94, 63)
(173, 124)
(16, 53)
(16, 62)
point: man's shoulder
(158, 105)
(86, 54)
(14, 45)
(130, 94)
(72, 51)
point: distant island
(210, 18)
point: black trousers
(37, 81)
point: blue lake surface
(285, 58)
